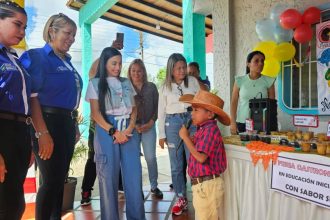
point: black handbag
(263, 112)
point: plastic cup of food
(321, 148)
(305, 146)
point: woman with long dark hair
(116, 140)
(247, 87)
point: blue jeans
(173, 124)
(109, 158)
(148, 140)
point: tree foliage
(161, 75)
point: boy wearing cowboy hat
(207, 153)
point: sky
(156, 49)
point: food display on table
(305, 146)
(301, 141)
(321, 148)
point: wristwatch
(112, 131)
(39, 133)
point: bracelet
(38, 134)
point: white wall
(235, 36)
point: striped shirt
(208, 140)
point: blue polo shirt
(15, 84)
(57, 82)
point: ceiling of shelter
(158, 17)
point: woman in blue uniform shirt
(59, 89)
(16, 106)
(116, 142)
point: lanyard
(24, 95)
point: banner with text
(302, 179)
(323, 67)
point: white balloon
(277, 10)
(265, 29)
(282, 35)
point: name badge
(62, 69)
(8, 67)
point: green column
(86, 59)
(93, 9)
(88, 14)
(194, 36)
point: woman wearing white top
(172, 114)
(117, 143)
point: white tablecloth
(248, 195)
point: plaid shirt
(208, 140)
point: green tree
(161, 75)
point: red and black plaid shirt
(208, 140)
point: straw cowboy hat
(210, 102)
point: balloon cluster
(292, 19)
(276, 31)
(274, 54)
(270, 29)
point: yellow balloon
(20, 2)
(22, 44)
(266, 47)
(271, 67)
(284, 52)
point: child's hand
(184, 133)
(3, 170)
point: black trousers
(54, 171)
(90, 166)
(15, 148)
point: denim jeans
(173, 124)
(109, 158)
(148, 140)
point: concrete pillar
(223, 52)
(88, 14)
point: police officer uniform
(15, 139)
(59, 89)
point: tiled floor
(155, 209)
